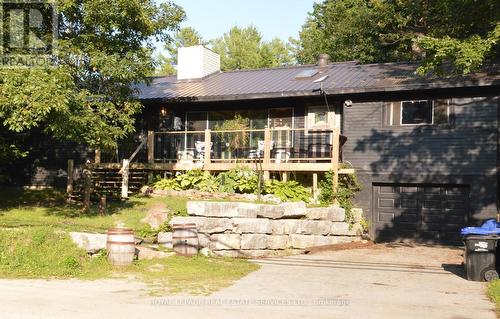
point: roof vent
(323, 60)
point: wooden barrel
(121, 246)
(185, 239)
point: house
(425, 150)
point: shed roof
(342, 78)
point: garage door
(419, 212)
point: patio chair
(200, 149)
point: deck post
(125, 173)
(284, 177)
(335, 158)
(150, 144)
(208, 150)
(69, 185)
(97, 156)
(315, 186)
(267, 152)
(151, 147)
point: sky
(273, 18)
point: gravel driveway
(377, 282)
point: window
(418, 112)
(320, 118)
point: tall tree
(185, 37)
(446, 35)
(87, 95)
(243, 48)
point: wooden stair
(108, 181)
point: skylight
(305, 74)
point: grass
(34, 243)
(494, 294)
(46, 252)
(20, 208)
(196, 275)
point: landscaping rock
(253, 241)
(285, 226)
(341, 229)
(228, 253)
(148, 253)
(294, 209)
(357, 214)
(247, 210)
(92, 243)
(271, 211)
(206, 252)
(157, 215)
(315, 227)
(307, 241)
(222, 209)
(278, 241)
(203, 240)
(252, 225)
(225, 241)
(165, 239)
(146, 190)
(331, 213)
(205, 225)
(356, 230)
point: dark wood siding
(465, 153)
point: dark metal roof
(342, 78)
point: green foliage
(449, 36)
(288, 191)
(461, 56)
(238, 180)
(243, 48)
(347, 188)
(234, 140)
(494, 294)
(192, 179)
(103, 49)
(44, 252)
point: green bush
(347, 188)
(192, 179)
(288, 191)
(238, 180)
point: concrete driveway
(377, 282)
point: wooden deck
(264, 162)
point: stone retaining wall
(238, 229)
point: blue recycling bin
(481, 246)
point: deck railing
(280, 150)
(274, 149)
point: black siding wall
(465, 153)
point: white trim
(415, 124)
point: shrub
(238, 180)
(348, 187)
(192, 179)
(288, 191)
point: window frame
(413, 124)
